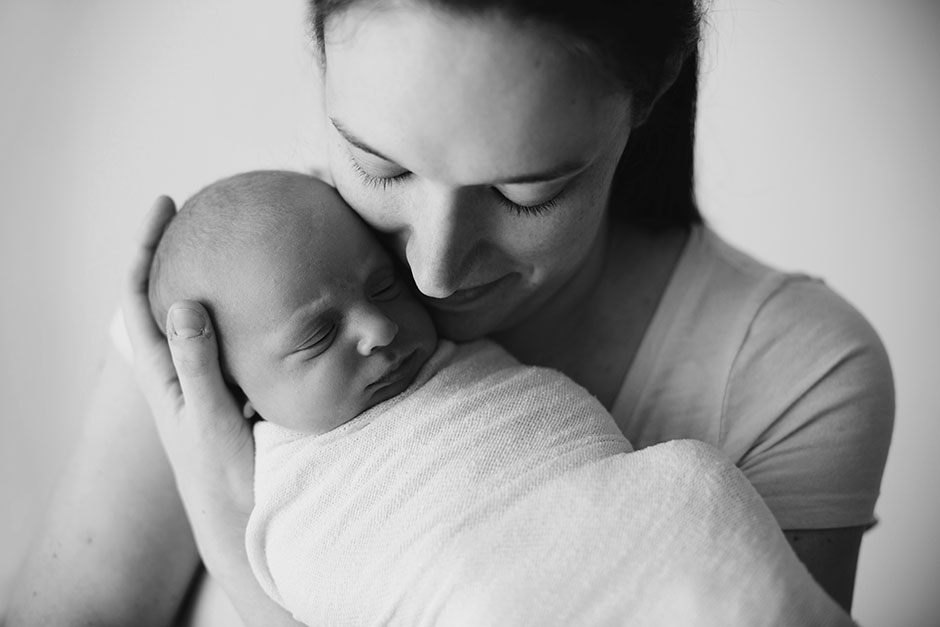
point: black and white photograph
(467, 313)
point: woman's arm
(120, 544)
(831, 556)
(208, 443)
(115, 548)
(817, 379)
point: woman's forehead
(465, 98)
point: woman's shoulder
(789, 328)
(782, 334)
(718, 286)
(811, 375)
(806, 321)
(769, 366)
(774, 307)
(678, 377)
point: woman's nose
(373, 329)
(440, 239)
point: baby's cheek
(335, 396)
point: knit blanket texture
(490, 493)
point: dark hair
(641, 43)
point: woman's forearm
(253, 605)
(115, 547)
(222, 546)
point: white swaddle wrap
(494, 494)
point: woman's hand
(207, 440)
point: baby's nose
(376, 330)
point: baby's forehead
(285, 217)
(304, 239)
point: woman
(533, 167)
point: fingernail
(187, 323)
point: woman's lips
(467, 298)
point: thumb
(196, 358)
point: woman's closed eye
(536, 200)
(522, 207)
(381, 180)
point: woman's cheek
(379, 208)
(570, 234)
(348, 183)
(379, 212)
(368, 203)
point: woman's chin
(472, 314)
(473, 324)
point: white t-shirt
(776, 370)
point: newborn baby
(402, 479)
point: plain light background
(819, 151)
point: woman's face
(483, 148)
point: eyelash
(529, 210)
(326, 337)
(384, 182)
(375, 182)
(389, 290)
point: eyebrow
(567, 168)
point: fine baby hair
(220, 221)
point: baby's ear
(248, 411)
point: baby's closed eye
(319, 340)
(386, 288)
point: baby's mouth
(399, 369)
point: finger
(196, 357)
(137, 314)
(151, 354)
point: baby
(314, 322)
(403, 479)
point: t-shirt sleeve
(809, 408)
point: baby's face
(320, 326)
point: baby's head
(315, 324)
